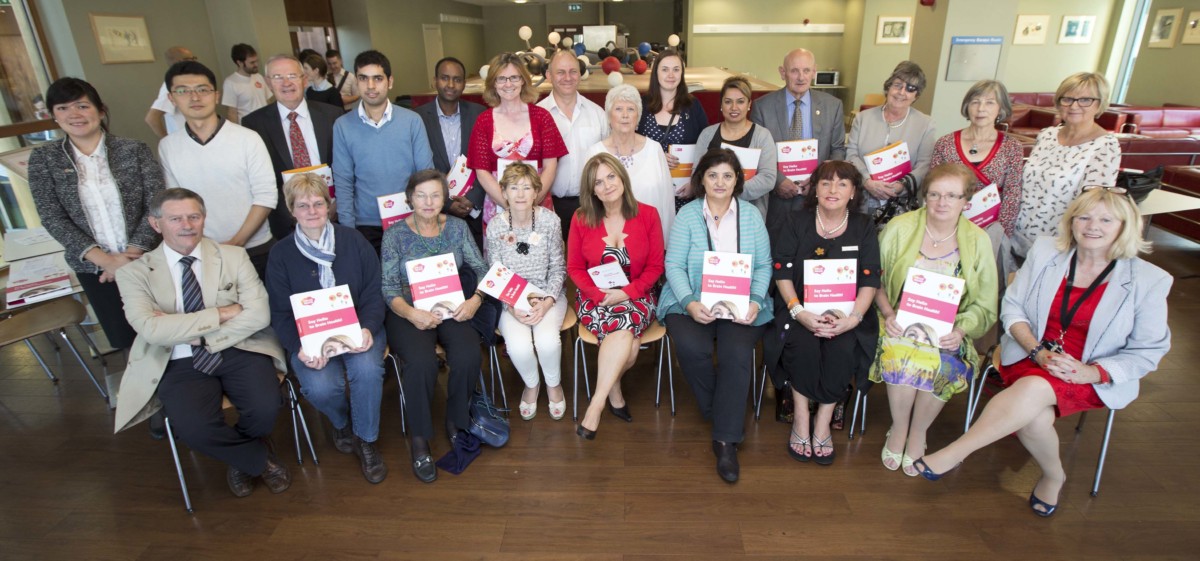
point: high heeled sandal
(929, 474)
(557, 409)
(528, 410)
(1035, 502)
(888, 455)
(805, 444)
(826, 442)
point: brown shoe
(240, 482)
(343, 440)
(276, 475)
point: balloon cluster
(534, 58)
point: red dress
(1072, 398)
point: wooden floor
(69, 489)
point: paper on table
(608, 275)
(36, 279)
(327, 322)
(28, 237)
(748, 157)
(929, 303)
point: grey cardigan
(54, 183)
(756, 190)
(1128, 333)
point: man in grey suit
(313, 124)
(819, 116)
(449, 121)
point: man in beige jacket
(203, 331)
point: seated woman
(718, 221)
(319, 89)
(1084, 321)
(923, 370)
(642, 158)
(526, 238)
(412, 333)
(738, 130)
(320, 254)
(611, 226)
(822, 352)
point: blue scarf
(319, 252)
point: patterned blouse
(685, 126)
(401, 245)
(543, 264)
(1002, 166)
(1054, 176)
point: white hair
(623, 92)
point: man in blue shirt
(375, 148)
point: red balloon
(639, 66)
(610, 65)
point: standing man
(796, 112)
(581, 123)
(244, 91)
(448, 122)
(341, 79)
(222, 161)
(162, 117)
(203, 331)
(297, 134)
(375, 148)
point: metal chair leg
(1103, 452)
(187, 499)
(670, 373)
(762, 389)
(86, 368)
(860, 399)
(498, 379)
(299, 413)
(970, 405)
(53, 343)
(91, 345)
(41, 361)
(658, 378)
(400, 385)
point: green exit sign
(574, 7)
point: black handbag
(1139, 185)
(488, 423)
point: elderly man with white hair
(643, 158)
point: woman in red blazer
(612, 227)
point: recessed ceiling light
(520, 1)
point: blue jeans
(326, 388)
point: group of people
(599, 179)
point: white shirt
(723, 233)
(387, 115)
(173, 118)
(304, 121)
(588, 125)
(101, 199)
(182, 350)
(246, 93)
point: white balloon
(539, 51)
(483, 71)
(673, 40)
(615, 79)
(568, 42)
(525, 33)
(554, 37)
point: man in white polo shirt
(225, 163)
(244, 91)
(581, 123)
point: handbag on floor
(488, 423)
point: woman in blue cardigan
(319, 255)
(717, 222)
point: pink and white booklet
(929, 303)
(435, 284)
(326, 321)
(725, 283)
(830, 286)
(503, 284)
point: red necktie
(299, 148)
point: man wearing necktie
(203, 325)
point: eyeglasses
(907, 87)
(1110, 188)
(304, 207)
(947, 196)
(202, 91)
(284, 77)
(1082, 101)
(508, 79)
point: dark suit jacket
(266, 122)
(437, 143)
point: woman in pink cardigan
(612, 227)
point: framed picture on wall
(121, 39)
(1166, 28)
(1191, 30)
(893, 30)
(1031, 30)
(1077, 30)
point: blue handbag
(488, 423)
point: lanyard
(1067, 313)
(736, 227)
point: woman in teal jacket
(718, 222)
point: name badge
(849, 248)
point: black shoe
(727, 462)
(587, 434)
(343, 439)
(424, 469)
(276, 475)
(158, 425)
(240, 482)
(621, 413)
(373, 467)
(783, 404)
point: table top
(1160, 201)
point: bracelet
(792, 303)
(856, 315)
(795, 310)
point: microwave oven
(826, 78)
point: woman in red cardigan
(513, 130)
(612, 227)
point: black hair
(842, 170)
(438, 66)
(67, 90)
(712, 159)
(367, 58)
(241, 51)
(189, 67)
(333, 53)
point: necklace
(522, 247)
(937, 241)
(828, 232)
(887, 139)
(437, 245)
(975, 144)
(626, 161)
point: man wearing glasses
(375, 148)
(297, 134)
(162, 117)
(224, 162)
